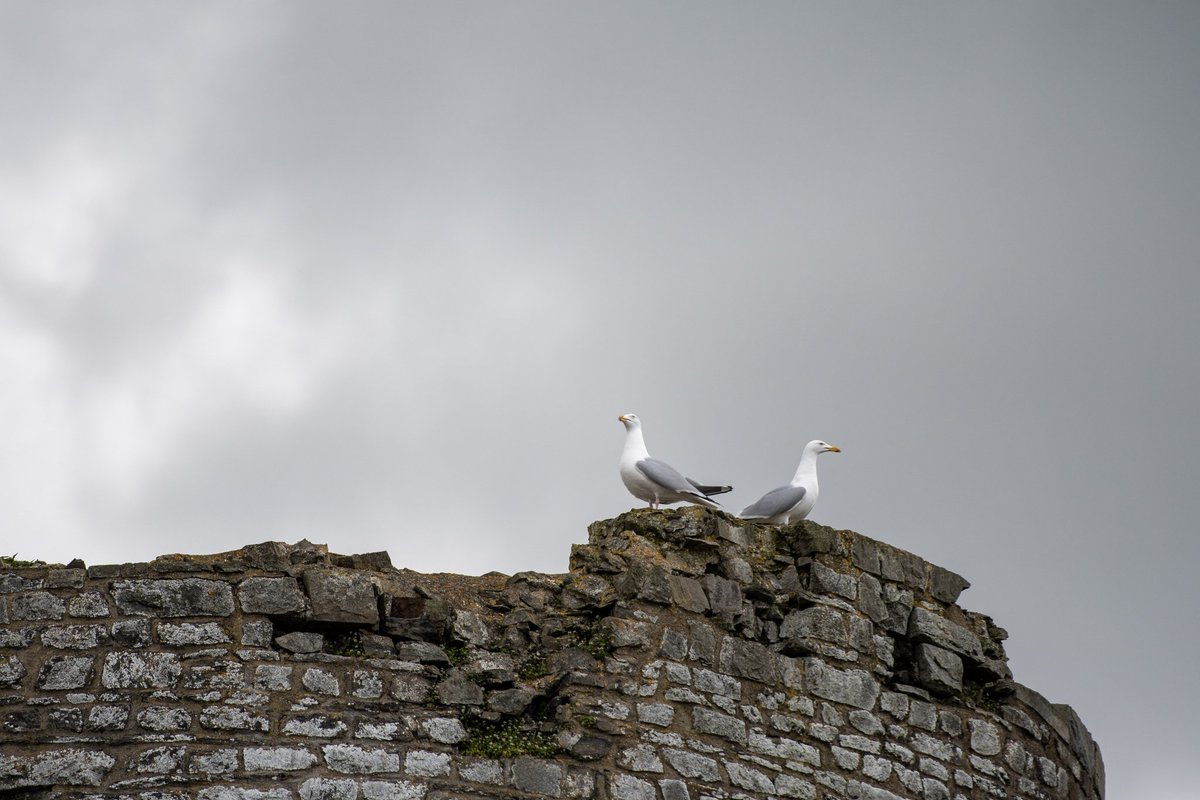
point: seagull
(655, 481)
(795, 501)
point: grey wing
(665, 476)
(709, 491)
(775, 502)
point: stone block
(747, 778)
(318, 726)
(661, 714)
(37, 606)
(705, 720)
(131, 632)
(350, 759)
(276, 597)
(277, 759)
(823, 580)
(673, 789)
(626, 632)
(124, 670)
(945, 585)
(692, 765)
(748, 660)
(108, 718)
(75, 637)
(274, 677)
(337, 596)
(925, 626)
(421, 653)
(214, 762)
(459, 689)
(724, 596)
(510, 701)
(392, 790)
(716, 683)
(538, 776)
(301, 642)
(321, 681)
(640, 758)
(426, 764)
(66, 672)
(323, 789)
(159, 760)
(190, 633)
(688, 594)
(163, 718)
(854, 687)
(985, 737)
(73, 767)
(66, 719)
(938, 670)
(486, 771)
(627, 787)
(857, 790)
(186, 597)
(445, 730)
(818, 622)
(88, 604)
(870, 598)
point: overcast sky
(383, 275)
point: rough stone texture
(686, 655)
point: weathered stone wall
(684, 656)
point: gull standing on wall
(655, 481)
(795, 501)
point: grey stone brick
(856, 790)
(301, 642)
(131, 632)
(845, 759)
(876, 768)
(72, 767)
(75, 637)
(164, 718)
(70, 719)
(37, 606)
(20, 637)
(828, 581)
(446, 730)
(748, 660)
(791, 786)
(482, 771)
(626, 632)
(674, 645)
(661, 714)
(627, 787)
(108, 718)
(348, 758)
(925, 626)
(226, 718)
(366, 684)
(326, 789)
(381, 731)
(159, 760)
(459, 689)
(815, 622)
(924, 743)
(187, 597)
(640, 758)
(673, 789)
(393, 790)
(124, 670)
(190, 633)
(277, 759)
(724, 596)
(854, 687)
(315, 726)
(321, 681)
(703, 645)
(258, 633)
(985, 737)
(88, 604)
(426, 764)
(692, 765)
(65, 672)
(716, 683)
(706, 720)
(274, 677)
(938, 670)
(688, 594)
(341, 596)
(510, 701)
(537, 775)
(277, 597)
(866, 722)
(747, 778)
(240, 793)
(213, 762)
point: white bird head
(630, 421)
(817, 446)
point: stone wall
(684, 656)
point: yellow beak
(834, 449)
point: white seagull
(655, 481)
(795, 501)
